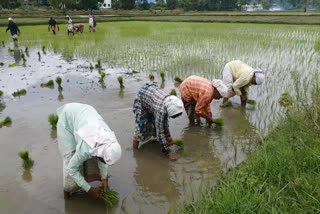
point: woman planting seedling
(238, 77)
(197, 93)
(84, 138)
(152, 108)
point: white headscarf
(259, 76)
(10, 19)
(102, 141)
(220, 86)
(174, 105)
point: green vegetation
(178, 80)
(98, 65)
(286, 100)
(6, 122)
(120, 80)
(44, 49)
(252, 102)
(59, 81)
(173, 92)
(53, 120)
(13, 65)
(39, 56)
(111, 198)
(49, 84)
(3, 45)
(19, 93)
(218, 121)
(162, 75)
(1, 93)
(226, 104)
(281, 176)
(27, 161)
(102, 76)
(91, 66)
(179, 143)
(1, 64)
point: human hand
(95, 193)
(104, 185)
(171, 157)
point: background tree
(172, 4)
(127, 4)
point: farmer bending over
(14, 30)
(84, 138)
(52, 25)
(197, 93)
(152, 108)
(238, 77)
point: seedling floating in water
(162, 74)
(178, 80)
(218, 121)
(53, 120)
(27, 161)
(6, 122)
(19, 93)
(151, 77)
(173, 92)
(179, 143)
(111, 198)
(120, 80)
(102, 76)
(252, 102)
(59, 81)
(49, 84)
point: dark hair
(177, 115)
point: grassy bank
(282, 176)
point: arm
(166, 129)
(203, 107)
(242, 81)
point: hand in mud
(95, 193)
(104, 185)
(171, 157)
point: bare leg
(135, 143)
(66, 195)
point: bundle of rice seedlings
(6, 122)
(98, 65)
(151, 77)
(27, 161)
(102, 76)
(19, 93)
(120, 80)
(162, 75)
(226, 104)
(91, 66)
(111, 198)
(53, 120)
(49, 84)
(173, 92)
(1, 93)
(1, 64)
(59, 81)
(252, 102)
(178, 80)
(218, 121)
(179, 143)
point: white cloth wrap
(174, 105)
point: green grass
(6, 122)
(111, 198)
(120, 80)
(27, 161)
(19, 93)
(53, 120)
(281, 176)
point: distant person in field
(92, 23)
(238, 77)
(79, 28)
(52, 25)
(14, 29)
(152, 109)
(88, 147)
(70, 26)
(197, 93)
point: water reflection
(27, 176)
(121, 93)
(60, 96)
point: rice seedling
(19, 93)
(13, 65)
(120, 80)
(111, 198)
(53, 120)
(91, 66)
(252, 102)
(98, 65)
(286, 100)
(1, 64)
(162, 75)
(178, 80)
(226, 104)
(27, 161)
(60, 96)
(39, 56)
(49, 84)
(218, 121)
(3, 45)
(26, 51)
(173, 92)
(179, 143)
(10, 50)
(59, 81)
(23, 57)
(1, 93)
(151, 77)
(44, 49)
(102, 76)
(6, 122)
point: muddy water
(145, 180)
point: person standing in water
(14, 29)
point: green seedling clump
(1, 64)
(49, 84)
(13, 65)
(98, 65)
(226, 104)
(19, 93)
(252, 102)
(53, 120)
(27, 161)
(151, 77)
(1, 93)
(10, 50)
(120, 80)
(6, 122)
(162, 75)
(111, 198)
(179, 143)
(173, 92)
(91, 66)
(59, 81)
(218, 121)
(178, 80)
(102, 76)
(286, 100)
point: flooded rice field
(146, 181)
